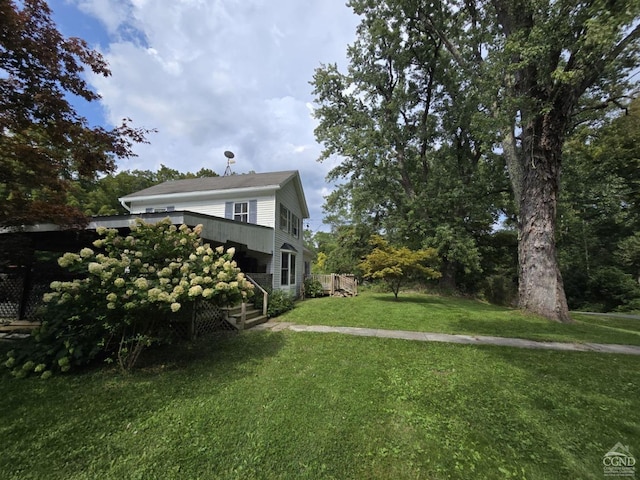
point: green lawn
(430, 313)
(301, 405)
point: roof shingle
(248, 180)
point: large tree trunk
(541, 289)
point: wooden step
(256, 321)
(19, 326)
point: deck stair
(252, 316)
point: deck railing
(333, 282)
(265, 295)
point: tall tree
(530, 66)
(401, 122)
(599, 213)
(44, 142)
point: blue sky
(215, 75)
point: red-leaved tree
(44, 142)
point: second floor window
(289, 222)
(241, 212)
(245, 211)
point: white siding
(214, 207)
(268, 215)
(288, 197)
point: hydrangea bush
(130, 287)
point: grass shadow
(101, 412)
(224, 348)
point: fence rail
(333, 282)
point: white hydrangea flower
(95, 268)
(195, 291)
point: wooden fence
(333, 282)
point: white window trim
(288, 274)
(242, 216)
(289, 222)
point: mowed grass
(430, 313)
(282, 405)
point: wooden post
(27, 279)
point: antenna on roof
(230, 161)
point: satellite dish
(230, 162)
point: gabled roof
(218, 186)
(231, 182)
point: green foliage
(500, 290)
(599, 213)
(44, 141)
(319, 264)
(312, 288)
(612, 288)
(279, 302)
(394, 265)
(100, 197)
(129, 289)
(432, 91)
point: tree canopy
(396, 265)
(44, 142)
(442, 100)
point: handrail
(265, 295)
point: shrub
(312, 288)
(396, 265)
(130, 290)
(500, 290)
(279, 302)
(612, 287)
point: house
(260, 214)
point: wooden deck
(333, 283)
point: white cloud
(215, 75)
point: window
(246, 211)
(241, 212)
(292, 269)
(289, 222)
(284, 269)
(284, 218)
(148, 210)
(288, 269)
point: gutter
(201, 193)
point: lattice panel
(208, 318)
(11, 286)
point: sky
(215, 75)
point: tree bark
(541, 289)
